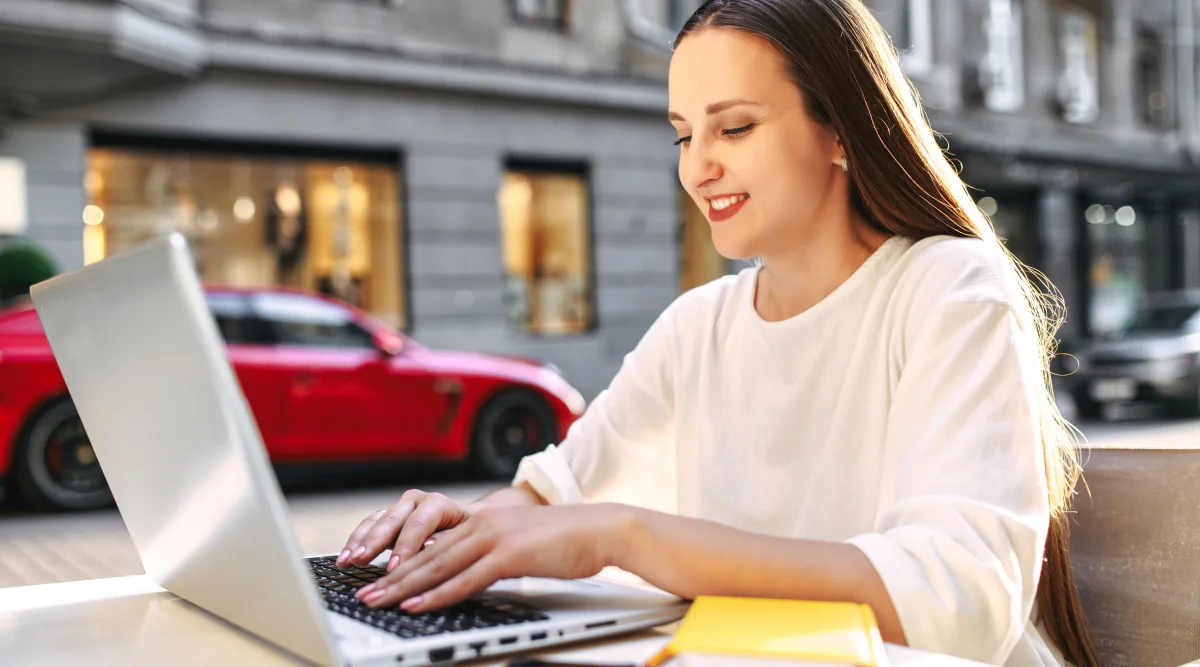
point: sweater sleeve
(963, 516)
(620, 450)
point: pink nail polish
(365, 591)
(359, 551)
(393, 563)
(411, 603)
(373, 596)
(343, 556)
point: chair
(1135, 551)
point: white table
(129, 621)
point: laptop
(147, 369)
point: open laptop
(147, 370)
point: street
(46, 548)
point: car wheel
(508, 427)
(55, 465)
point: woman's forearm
(689, 557)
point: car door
(342, 391)
(255, 362)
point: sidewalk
(42, 549)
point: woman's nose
(698, 165)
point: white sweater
(897, 414)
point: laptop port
(478, 646)
(537, 636)
(441, 654)
(508, 640)
(601, 624)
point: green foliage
(22, 266)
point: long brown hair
(902, 183)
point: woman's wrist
(621, 533)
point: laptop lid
(147, 370)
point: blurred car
(325, 382)
(1154, 359)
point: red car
(325, 382)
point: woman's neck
(791, 283)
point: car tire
(510, 426)
(55, 467)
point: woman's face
(759, 168)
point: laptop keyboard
(338, 586)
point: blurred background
(498, 177)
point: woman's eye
(738, 131)
(683, 140)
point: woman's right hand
(404, 527)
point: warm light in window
(93, 244)
(93, 215)
(93, 183)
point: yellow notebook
(728, 631)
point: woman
(864, 416)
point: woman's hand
(405, 527)
(494, 543)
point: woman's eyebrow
(714, 108)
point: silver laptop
(147, 370)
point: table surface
(124, 621)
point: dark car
(1154, 359)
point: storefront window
(1119, 280)
(330, 226)
(1012, 213)
(699, 261)
(546, 239)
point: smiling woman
(863, 416)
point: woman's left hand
(560, 542)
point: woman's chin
(734, 248)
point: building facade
(498, 174)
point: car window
(236, 321)
(300, 320)
(1164, 318)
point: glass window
(1164, 319)
(911, 23)
(236, 321)
(1152, 96)
(1079, 79)
(301, 320)
(550, 13)
(699, 261)
(546, 237)
(1119, 280)
(328, 225)
(1002, 70)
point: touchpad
(537, 586)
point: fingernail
(365, 591)
(393, 563)
(343, 556)
(411, 603)
(359, 552)
(429, 542)
(373, 596)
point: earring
(845, 168)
